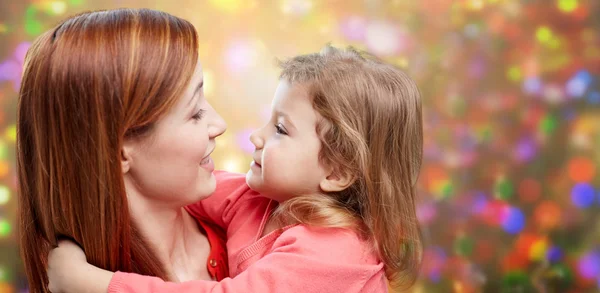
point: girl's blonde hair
(371, 130)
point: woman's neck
(175, 237)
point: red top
(217, 258)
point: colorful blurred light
(6, 287)
(567, 5)
(514, 73)
(463, 245)
(236, 165)
(4, 195)
(554, 254)
(532, 86)
(57, 7)
(5, 228)
(553, 94)
(525, 150)
(589, 265)
(385, 38)
(475, 4)
(581, 169)
(11, 133)
(426, 212)
(9, 70)
(543, 34)
(33, 26)
(3, 150)
(538, 250)
(243, 141)
(548, 124)
(241, 55)
(583, 195)
(514, 221)
(547, 214)
(354, 28)
(503, 189)
(529, 190)
(208, 82)
(594, 98)
(578, 84)
(228, 6)
(296, 7)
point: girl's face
(286, 160)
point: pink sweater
(293, 259)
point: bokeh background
(509, 191)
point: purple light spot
(532, 86)
(426, 212)
(554, 254)
(589, 265)
(354, 28)
(21, 51)
(10, 70)
(243, 141)
(525, 149)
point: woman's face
(172, 165)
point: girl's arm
(68, 271)
(291, 267)
(221, 207)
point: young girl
(328, 204)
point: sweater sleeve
(290, 267)
(221, 207)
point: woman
(114, 140)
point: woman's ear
(126, 159)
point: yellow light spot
(554, 43)
(401, 62)
(224, 141)
(57, 7)
(567, 5)
(4, 167)
(233, 165)
(475, 4)
(4, 195)
(538, 250)
(228, 6)
(208, 82)
(11, 133)
(543, 34)
(514, 73)
(3, 150)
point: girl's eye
(280, 129)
